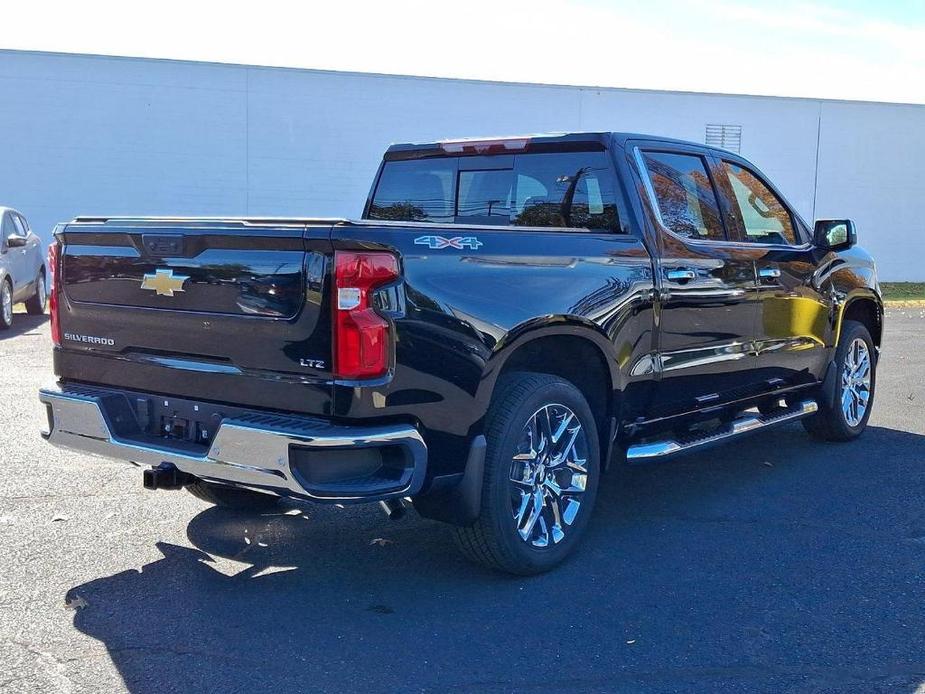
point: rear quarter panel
(469, 309)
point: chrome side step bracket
(745, 424)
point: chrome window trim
(725, 243)
(653, 200)
(650, 191)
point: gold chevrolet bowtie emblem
(164, 282)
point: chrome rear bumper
(253, 449)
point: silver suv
(22, 267)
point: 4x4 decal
(458, 242)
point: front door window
(764, 217)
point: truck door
(792, 328)
(705, 283)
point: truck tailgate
(227, 310)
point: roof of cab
(410, 150)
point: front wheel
(845, 418)
(541, 474)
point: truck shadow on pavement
(775, 563)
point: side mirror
(15, 241)
(834, 234)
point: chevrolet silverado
(510, 317)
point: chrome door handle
(769, 272)
(680, 275)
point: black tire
(6, 305)
(35, 305)
(232, 497)
(831, 422)
(494, 540)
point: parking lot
(777, 563)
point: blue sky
(894, 10)
(853, 49)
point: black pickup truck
(509, 317)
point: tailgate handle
(163, 244)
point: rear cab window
(541, 189)
(484, 196)
(416, 190)
(568, 189)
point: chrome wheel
(41, 293)
(7, 300)
(855, 381)
(549, 474)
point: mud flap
(829, 389)
(456, 499)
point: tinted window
(574, 189)
(416, 190)
(764, 217)
(485, 196)
(686, 200)
(20, 225)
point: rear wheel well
(866, 312)
(580, 362)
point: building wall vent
(724, 136)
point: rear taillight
(361, 336)
(53, 269)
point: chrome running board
(746, 424)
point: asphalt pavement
(772, 564)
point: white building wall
(96, 135)
(872, 169)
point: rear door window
(684, 193)
(416, 190)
